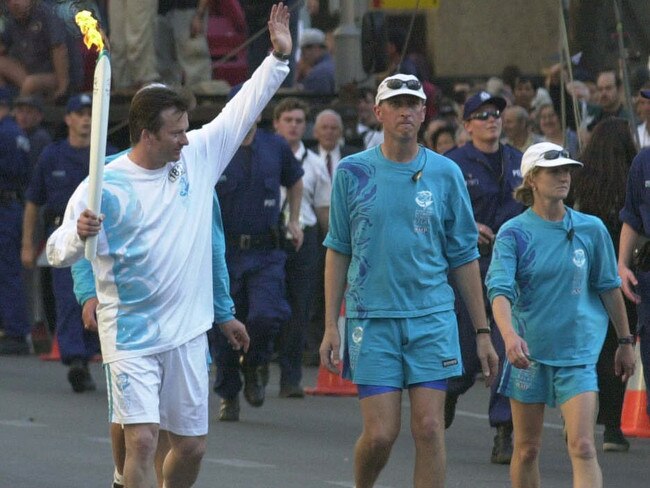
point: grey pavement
(53, 438)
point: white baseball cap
(399, 84)
(312, 37)
(545, 155)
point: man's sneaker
(614, 440)
(13, 346)
(502, 449)
(79, 377)
(229, 410)
(291, 391)
(255, 381)
(450, 409)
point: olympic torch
(99, 121)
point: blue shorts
(398, 352)
(552, 385)
(372, 390)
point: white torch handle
(98, 135)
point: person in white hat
(315, 71)
(401, 221)
(552, 283)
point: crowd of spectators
(166, 41)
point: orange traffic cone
(54, 354)
(635, 421)
(328, 383)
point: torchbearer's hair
(147, 105)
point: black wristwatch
(281, 56)
(626, 340)
(483, 330)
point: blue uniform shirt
(636, 212)
(14, 156)
(59, 171)
(490, 191)
(249, 188)
(320, 79)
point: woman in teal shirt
(552, 283)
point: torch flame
(88, 26)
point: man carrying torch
(153, 265)
(99, 121)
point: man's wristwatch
(626, 340)
(281, 56)
(483, 330)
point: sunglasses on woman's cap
(556, 154)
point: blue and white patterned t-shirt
(403, 233)
(553, 273)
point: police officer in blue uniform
(249, 194)
(60, 168)
(492, 172)
(14, 175)
(635, 239)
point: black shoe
(229, 410)
(450, 409)
(79, 377)
(614, 440)
(291, 391)
(255, 380)
(13, 346)
(502, 449)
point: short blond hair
(524, 192)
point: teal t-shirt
(553, 273)
(403, 234)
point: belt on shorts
(259, 242)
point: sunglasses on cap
(396, 84)
(556, 154)
(485, 115)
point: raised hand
(279, 28)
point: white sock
(118, 478)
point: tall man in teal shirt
(400, 220)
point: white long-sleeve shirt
(153, 266)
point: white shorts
(169, 389)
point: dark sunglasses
(396, 84)
(556, 154)
(485, 115)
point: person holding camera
(492, 172)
